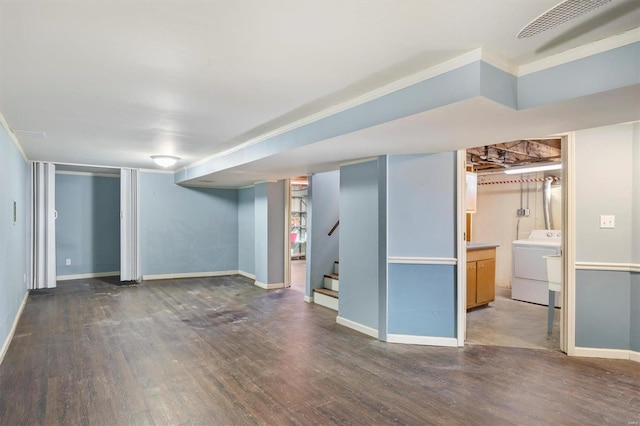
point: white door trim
(568, 317)
(461, 248)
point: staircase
(328, 295)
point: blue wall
(269, 232)
(360, 239)
(186, 230)
(634, 341)
(422, 212)
(607, 302)
(88, 224)
(13, 236)
(324, 210)
(602, 309)
(246, 230)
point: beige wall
(495, 220)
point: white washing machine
(529, 273)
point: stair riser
(336, 268)
(326, 301)
(331, 284)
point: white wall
(496, 221)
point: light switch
(607, 221)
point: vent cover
(559, 14)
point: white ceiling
(113, 82)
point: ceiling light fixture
(165, 160)
(533, 168)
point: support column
(269, 234)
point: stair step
(336, 267)
(326, 292)
(325, 297)
(332, 282)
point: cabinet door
(471, 284)
(485, 282)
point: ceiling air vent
(559, 14)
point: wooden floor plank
(222, 351)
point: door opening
(517, 220)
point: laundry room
(514, 229)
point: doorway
(513, 213)
(298, 215)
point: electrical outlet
(527, 212)
(607, 221)
(68, 262)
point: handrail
(334, 228)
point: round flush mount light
(165, 160)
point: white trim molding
(423, 260)
(422, 340)
(357, 326)
(362, 160)
(89, 275)
(188, 275)
(246, 274)
(607, 353)
(604, 266)
(12, 136)
(270, 286)
(7, 341)
(96, 174)
(308, 299)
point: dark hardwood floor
(222, 351)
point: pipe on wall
(546, 197)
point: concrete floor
(508, 322)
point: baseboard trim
(269, 286)
(188, 275)
(246, 274)
(422, 340)
(357, 326)
(89, 275)
(7, 341)
(308, 299)
(607, 353)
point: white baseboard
(422, 340)
(246, 274)
(7, 341)
(357, 326)
(269, 286)
(89, 275)
(607, 353)
(188, 275)
(308, 299)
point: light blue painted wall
(422, 300)
(88, 224)
(13, 236)
(323, 212)
(246, 230)
(186, 230)
(634, 341)
(269, 232)
(603, 309)
(605, 71)
(360, 238)
(422, 212)
(421, 223)
(607, 167)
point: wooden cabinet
(481, 276)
